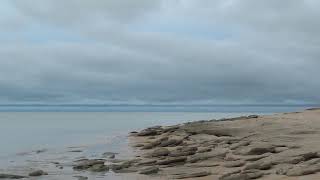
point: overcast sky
(159, 51)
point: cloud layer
(160, 52)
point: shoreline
(277, 146)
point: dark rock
(85, 164)
(184, 151)
(253, 116)
(160, 152)
(99, 168)
(149, 170)
(170, 129)
(203, 150)
(172, 160)
(235, 177)
(38, 173)
(171, 142)
(110, 155)
(75, 151)
(148, 132)
(11, 176)
(193, 175)
(138, 145)
(147, 162)
(81, 177)
(41, 151)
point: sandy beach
(273, 147)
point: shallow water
(23, 132)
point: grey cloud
(271, 55)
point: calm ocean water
(25, 129)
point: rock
(123, 165)
(126, 170)
(160, 152)
(257, 157)
(11, 176)
(245, 175)
(38, 173)
(193, 175)
(86, 164)
(235, 177)
(231, 157)
(202, 164)
(253, 116)
(184, 151)
(148, 146)
(231, 164)
(81, 177)
(219, 153)
(41, 151)
(75, 151)
(256, 149)
(148, 132)
(146, 162)
(99, 168)
(254, 175)
(261, 165)
(280, 149)
(172, 160)
(239, 144)
(155, 143)
(110, 155)
(221, 131)
(303, 170)
(203, 150)
(171, 142)
(170, 129)
(138, 145)
(149, 170)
